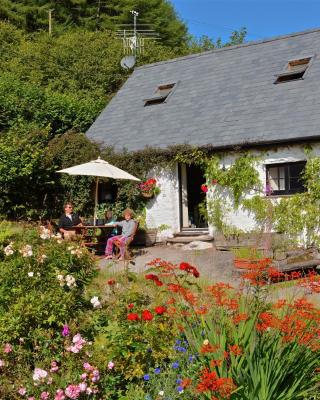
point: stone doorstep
(188, 239)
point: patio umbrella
(98, 168)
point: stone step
(192, 232)
(188, 239)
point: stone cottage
(263, 96)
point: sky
(262, 18)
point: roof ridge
(228, 48)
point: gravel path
(213, 265)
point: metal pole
(96, 202)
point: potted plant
(149, 188)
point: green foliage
(240, 178)
(205, 43)
(31, 298)
(93, 15)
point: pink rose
(59, 395)
(7, 348)
(72, 391)
(22, 391)
(110, 365)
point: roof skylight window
(295, 70)
(160, 95)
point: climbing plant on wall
(297, 215)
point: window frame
(295, 74)
(157, 98)
(287, 177)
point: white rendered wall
(283, 154)
(164, 208)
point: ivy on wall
(297, 215)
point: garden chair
(127, 252)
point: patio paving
(212, 264)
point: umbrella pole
(95, 202)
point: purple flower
(157, 371)
(65, 330)
(146, 377)
(175, 365)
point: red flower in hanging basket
(149, 188)
(204, 188)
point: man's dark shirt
(65, 222)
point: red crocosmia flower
(147, 315)
(160, 310)
(190, 269)
(204, 188)
(151, 277)
(131, 305)
(111, 282)
(133, 317)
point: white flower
(161, 393)
(71, 282)
(39, 374)
(60, 279)
(42, 258)
(206, 342)
(8, 250)
(30, 274)
(45, 233)
(26, 251)
(95, 302)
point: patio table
(89, 237)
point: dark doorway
(195, 196)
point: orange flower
(186, 382)
(209, 348)
(216, 363)
(235, 349)
(240, 317)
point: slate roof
(224, 97)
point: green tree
(32, 15)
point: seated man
(128, 226)
(68, 220)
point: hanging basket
(147, 194)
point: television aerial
(134, 40)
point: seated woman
(128, 226)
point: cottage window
(161, 94)
(285, 178)
(295, 70)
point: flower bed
(66, 334)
